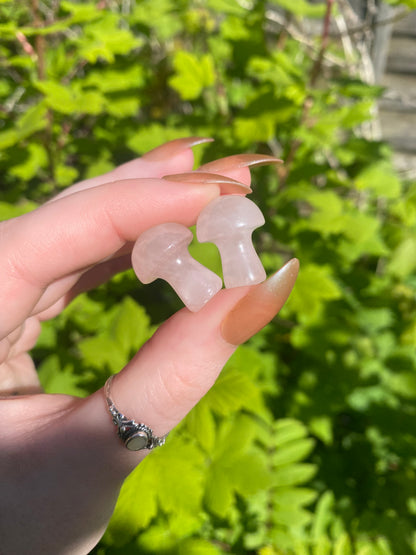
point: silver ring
(134, 436)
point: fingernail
(227, 184)
(173, 147)
(239, 161)
(260, 305)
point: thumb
(181, 362)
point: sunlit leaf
(294, 474)
(55, 379)
(381, 179)
(301, 8)
(314, 287)
(192, 74)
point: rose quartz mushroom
(162, 252)
(228, 222)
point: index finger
(82, 229)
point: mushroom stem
(240, 262)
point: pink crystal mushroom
(162, 252)
(228, 222)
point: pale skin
(61, 462)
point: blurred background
(306, 444)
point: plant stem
(317, 66)
(39, 41)
(284, 171)
(41, 71)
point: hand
(61, 462)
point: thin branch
(315, 72)
(303, 38)
(39, 40)
(41, 71)
(316, 69)
(372, 26)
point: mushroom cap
(226, 214)
(156, 246)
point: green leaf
(35, 158)
(403, 260)
(409, 3)
(192, 74)
(259, 129)
(294, 451)
(102, 353)
(34, 119)
(374, 320)
(294, 474)
(291, 516)
(343, 545)
(153, 135)
(294, 497)
(243, 473)
(65, 175)
(327, 216)
(232, 391)
(8, 29)
(404, 383)
(301, 8)
(321, 427)
(90, 102)
(159, 483)
(161, 17)
(227, 7)
(115, 80)
(55, 379)
(136, 504)
(126, 332)
(251, 473)
(234, 28)
(287, 430)
(8, 211)
(323, 514)
(322, 546)
(123, 107)
(235, 436)
(100, 166)
(219, 495)
(201, 425)
(103, 40)
(180, 469)
(277, 69)
(81, 12)
(198, 546)
(8, 138)
(58, 97)
(130, 328)
(314, 288)
(381, 179)
(206, 254)
(355, 113)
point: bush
(305, 445)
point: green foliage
(305, 445)
(192, 74)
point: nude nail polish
(260, 305)
(239, 161)
(171, 148)
(227, 184)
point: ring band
(134, 436)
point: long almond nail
(260, 305)
(239, 161)
(171, 148)
(227, 184)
